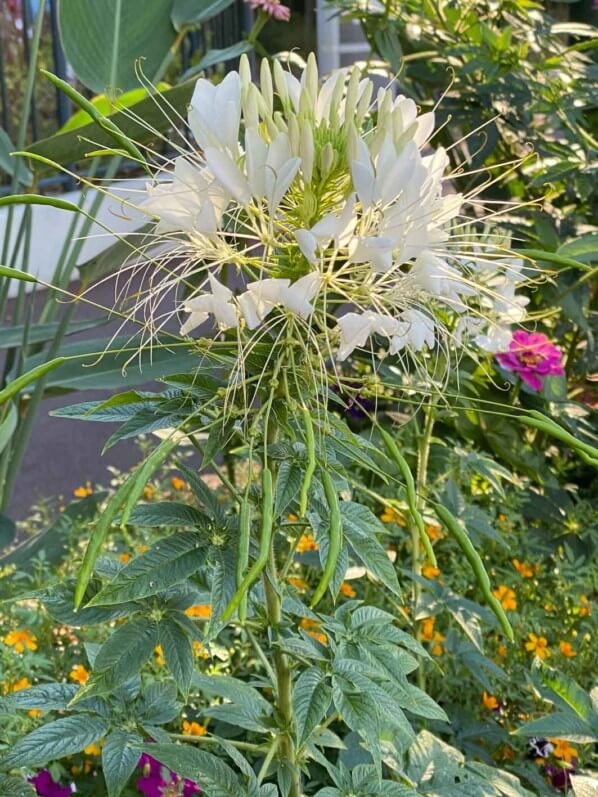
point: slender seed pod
(460, 535)
(401, 463)
(243, 551)
(539, 421)
(23, 381)
(335, 540)
(264, 550)
(311, 461)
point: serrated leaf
(167, 563)
(65, 736)
(311, 698)
(168, 513)
(119, 760)
(178, 653)
(214, 775)
(158, 704)
(288, 484)
(359, 526)
(15, 787)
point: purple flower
(533, 357)
(46, 786)
(560, 777)
(157, 779)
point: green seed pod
(335, 539)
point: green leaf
(8, 424)
(65, 736)
(103, 41)
(158, 705)
(122, 656)
(151, 114)
(178, 653)
(311, 698)
(107, 106)
(360, 527)
(119, 760)
(288, 484)
(229, 688)
(194, 12)
(167, 563)
(52, 696)
(8, 531)
(214, 775)
(168, 513)
(15, 787)
(11, 336)
(11, 164)
(561, 725)
(213, 57)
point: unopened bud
(306, 151)
(266, 85)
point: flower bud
(266, 85)
(245, 71)
(327, 159)
(294, 135)
(280, 122)
(352, 90)
(363, 103)
(306, 151)
(280, 82)
(250, 107)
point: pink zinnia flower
(533, 357)
(272, 7)
(156, 779)
(45, 786)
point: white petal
(308, 244)
(228, 174)
(355, 329)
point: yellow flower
(93, 749)
(292, 518)
(178, 483)
(79, 674)
(437, 646)
(434, 532)
(506, 596)
(124, 557)
(538, 645)
(194, 729)
(83, 491)
(585, 609)
(202, 610)
(34, 712)
(524, 570)
(429, 571)
(427, 631)
(313, 629)
(347, 590)
(307, 542)
(391, 516)
(149, 492)
(200, 650)
(563, 750)
(567, 649)
(298, 582)
(20, 639)
(489, 701)
(160, 660)
(22, 683)
(502, 650)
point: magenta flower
(272, 7)
(157, 779)
(533, 357)
(46, 786)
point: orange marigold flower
(194, 729)
(79, 674)
(20, 639)
(427, 631)
(178, 483)
(298, 582)
(34, 712)
(202, 610)
(160, 660)
(429, 571)
(22, 683)
(390, 515)
(538, 645)
(524, 570)
(506, 596)
(437, 646)
(347, 590)
(490, 702)
(83, 491)
(307, 542)
(567, 649)
(502, 650)
(124, 557)
(313, 629)
(563, 750)
(292, 518)
(433, 531)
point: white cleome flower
(264, 295)
(218, 303)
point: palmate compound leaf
(168, 562)
(65, 736)
(214, 774)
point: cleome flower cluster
(325, 208)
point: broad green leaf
(360, 527)
(311, 698)
(561, 725)
(288, 484)
(221, 56)
(52, 696)
(247, 716)
(158, 705)
(42, 333)
(120, 755)
(168, 513)
(194, 12)
(65, 736)
(229, 688)
(103, 41)
(214, 775)
(178, 653)
(11, 164)
(167, 563)
(150, 115)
